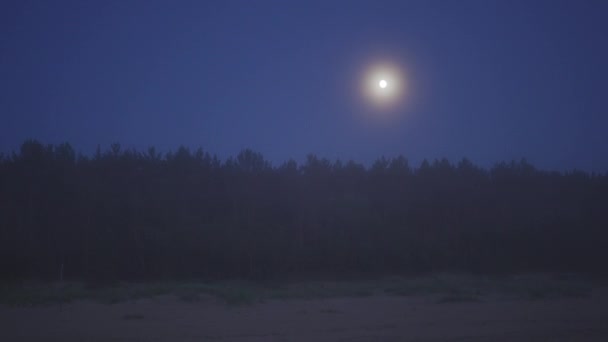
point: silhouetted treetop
(124, 214)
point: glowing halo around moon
(383, 86)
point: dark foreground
(374, 318)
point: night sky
(487, 80)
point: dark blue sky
(487, 80)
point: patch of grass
(433, 285)
(453, 286)
(133, 316)
(329, 311)
(457, 299)
(231, 293)
(320, 290)
(449, 288)
(36, 294)
(189, 297)
(39, 294)
(539, 287)
(551, 291)
(129, 291)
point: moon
(383, 85)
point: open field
(435, 308)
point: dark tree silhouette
(122, 214)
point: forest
(123, 214)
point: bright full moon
(384, 86)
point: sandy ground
(376, 318)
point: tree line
(122, 214)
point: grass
(537, 288)
(329, 311)
(133, 316)
(466, 288)
(41, 294)
(446, 288)
(458, 298)
(322, 289)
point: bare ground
(375, 318)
